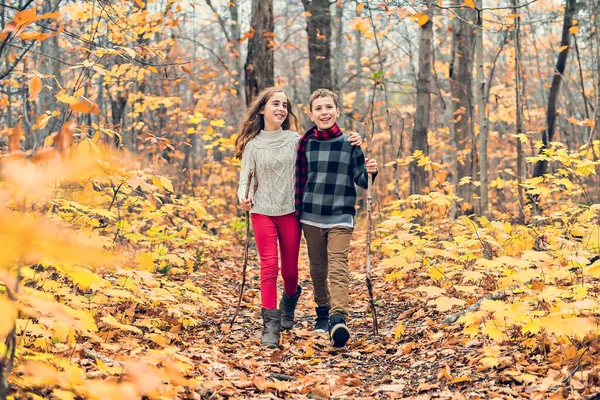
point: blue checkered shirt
(334, 166)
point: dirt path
(419, 364)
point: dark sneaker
(322, 321)
(338, 331)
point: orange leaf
(25, 17)
(562, 48)
(35, 87)
(360, 7)
(15, 138)
(49, 15)
(573, 30)
(34, 36)
(469, 3)
(421, 18)
(86, 107)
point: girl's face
(275, 111)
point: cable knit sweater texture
(272, 156)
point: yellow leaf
(489, 362)
(586, 168)
(532, 327)
(145, 262)
(573, 30)
(309, 352)
(152, 69)
(436, 273)
(469, 3)
(360, 7)
(471, 330)
(166, 182)
(459, 380)
(110, 320)
(217, 122)
(63, 97)
(432, 291)
(158, 339)
(493, 305)
(85, 279)
(444, 303)
(493, 332)
(399, 331)
(562, 48)
(35, 87)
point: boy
(327, 167)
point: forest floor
(428, 360)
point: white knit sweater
(272, 157)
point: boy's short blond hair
(317, 94)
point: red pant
(267, 231)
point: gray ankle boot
(287, 305)
(271, 328)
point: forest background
(120, 238)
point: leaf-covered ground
(427, 360)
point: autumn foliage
(121, 240)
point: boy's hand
(354, 139)
(371, 165)
(246, 204)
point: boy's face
(324, 112)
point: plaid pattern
(302, 163)
(334, 166)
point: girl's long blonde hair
(254, 121)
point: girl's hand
(246, 204)
(371, 165)
(355, 139)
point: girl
(266, 143)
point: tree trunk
(259, 65)
(339, 59)
(318, 27)
(594, 131)
(237, 50)
(561, 62)
(117, 109)
(461, 78)
(482, 117)
(521, 172)
(418, 174)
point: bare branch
(5, 73)
(221, 20)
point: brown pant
(328, 254)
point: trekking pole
(247, 244)
(369, 226)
